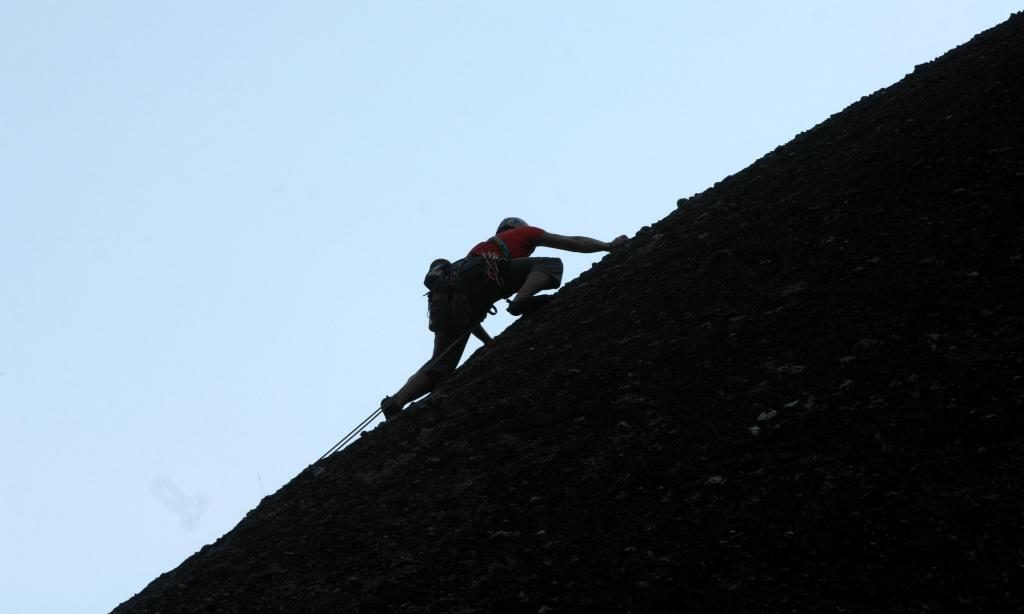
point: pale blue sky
(215, 218)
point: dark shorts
(512, 274)
(484, 292)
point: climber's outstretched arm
(583, 245)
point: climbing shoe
(528, 305)
(389, 408)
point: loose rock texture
(800, 391)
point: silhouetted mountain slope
(800, 391)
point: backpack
(449, 285)
(449, 309)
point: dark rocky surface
(800, 391)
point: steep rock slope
(800, 391)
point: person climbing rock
(461, 293)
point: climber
(462, 293)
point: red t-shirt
(520, 242)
